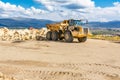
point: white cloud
(9, 10)
(116, 4)
(63, 9)
(53, 5)
(107, 13)
(82, 8)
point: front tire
(83, 39)
(68, 36)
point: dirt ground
(48, 60)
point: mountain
(2, 25)
(24, 22)
(110, 24)
(38, 23)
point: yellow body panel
(78, 34)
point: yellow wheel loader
(68, 30)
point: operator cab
(77, 22)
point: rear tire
(55, 36)
(68, 36)
(48, 35)
(83, 39)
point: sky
(93, 10)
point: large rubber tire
(60, 35)
(55, 36)
(83, 39)
(68, 36)
(48, 35)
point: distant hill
(24, 22)
(111, 24)
(38, 23)
(2, 25)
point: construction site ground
(50, 60)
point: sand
(48, 60)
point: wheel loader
(68, 30)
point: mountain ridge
(38, 23)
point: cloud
(53, 5)
(73, 6)
(67, 8)
(116, 4)
(82, 9)
(63, 9)
(10, 10)
(105, 14)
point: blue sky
(105, 3)
(24, 3)
(94, 10)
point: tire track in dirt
(94, 68)
(62, 71)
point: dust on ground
(48, 60)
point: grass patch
(106, 37)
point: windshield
(77, 22)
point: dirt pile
(21, 34)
